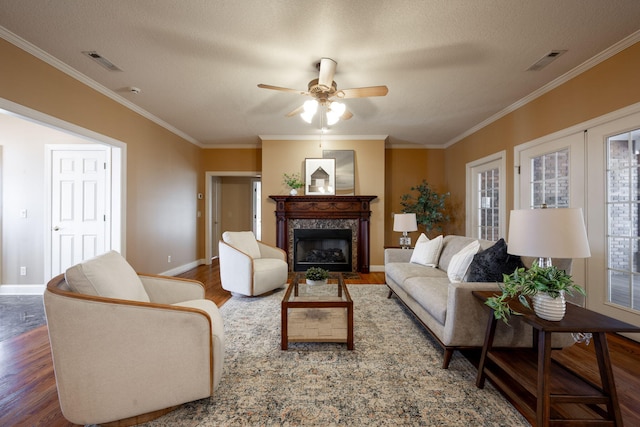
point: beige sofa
(448, 310)
(128, 346)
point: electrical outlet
(169, 258)
(23, 271)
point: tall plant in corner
(427, 204)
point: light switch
(23, 213)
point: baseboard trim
(22, 289)
(183, 268)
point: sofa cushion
(244, 241)
(399, 272)
(427, 252)
(490, 264)
(107, 275)
(461, 261)
(431, 293)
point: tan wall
(406, 168)
(280, 157)
(607, 87)
(162, 169)
(232, 159)
(236, 202)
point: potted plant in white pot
(317, 276)
(545, 286)
(294, 182)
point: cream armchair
(126, 345)
(248, 266)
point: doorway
(219, 213)
(28, 134)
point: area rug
(392, 378)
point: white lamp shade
(548, 233)
(405, 222)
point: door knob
(56, 228)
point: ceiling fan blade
(327, 72)
(283, 89)
(295, 112)
(362, 92)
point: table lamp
(548, 233)
(405, 222)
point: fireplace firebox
(329, 213)
(326, 248)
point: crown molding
(323, 137)
(61, 66)
(585, 66)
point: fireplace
(345, 213)
(326, 248)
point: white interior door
(80, 212)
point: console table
(547, 392)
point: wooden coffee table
(317, 313)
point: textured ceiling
(450, 65)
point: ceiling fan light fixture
(307, 117)
(311, 106)
(309, 110)
(335, 111)
(332, 118)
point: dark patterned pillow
(490, 264)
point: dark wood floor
(28, 395)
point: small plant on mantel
(293, 180)
(316, 274)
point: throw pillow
(427, 252)
(107, 275)
(490, 264)
(460, 262)
(244, 241)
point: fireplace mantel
(325, 207)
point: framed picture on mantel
(320, 176)
(345, 171)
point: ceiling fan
(325, 93)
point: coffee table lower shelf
(317, 325)
(317, 313)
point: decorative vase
(293, 192)
(316, 282)
(549, 308)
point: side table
(542, 388)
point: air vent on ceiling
(546, 60)
(101, 60)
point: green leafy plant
(523, 283)
(293, 181)
(428, 206)
(317, 273)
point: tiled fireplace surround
(325, 212)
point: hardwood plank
(28, 394)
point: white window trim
(472, 203)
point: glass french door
(614, 218)
(551, 174)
